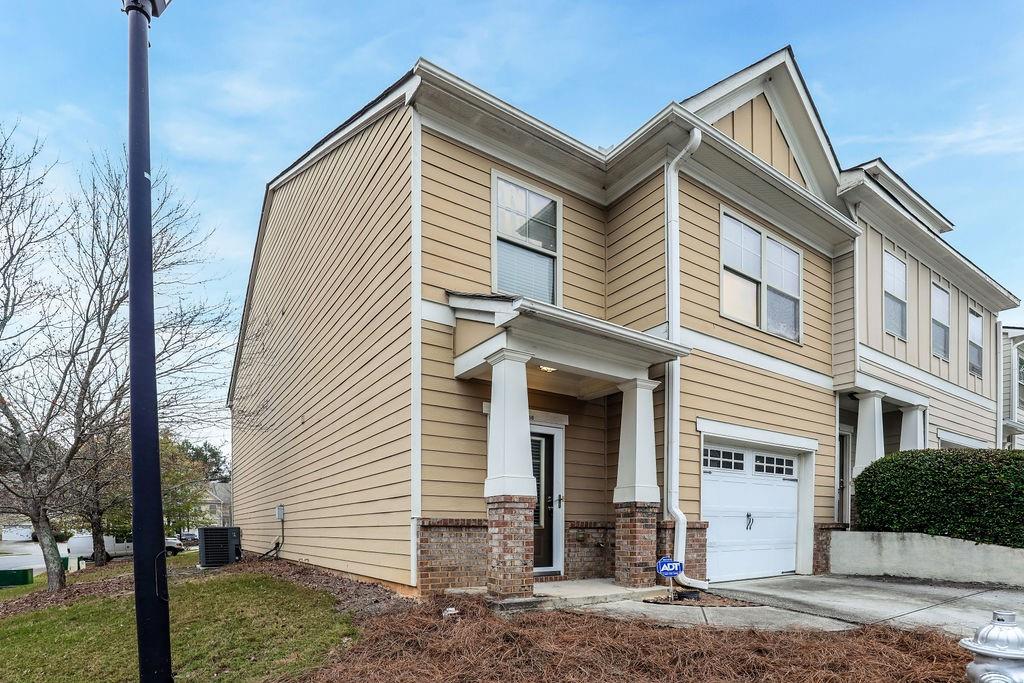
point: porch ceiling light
(545, 368)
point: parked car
(116, 546)
(189, 539)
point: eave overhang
(875, 203)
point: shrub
(977, 495)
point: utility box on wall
(219, 545)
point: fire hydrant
(998, 649)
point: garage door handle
(750, 521)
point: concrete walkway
(765, 618)
(956, 609)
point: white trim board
(754, 436)
(416, 342)
(437, 313)
(538, 417)
(960, 439)
(918, 375)
(867, 383)
(762, 361)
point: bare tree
(73, 385)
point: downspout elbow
(672, 370)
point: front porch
(527, 350)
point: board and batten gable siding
(699, 242)
(753, 126)
(321, 417)
(718, 388)
(844, 333)
(455, 440)
(636, 256)
(916, 349)
(456, 219)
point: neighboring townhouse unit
(478, 352)
(1013, 386)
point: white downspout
(672, 373)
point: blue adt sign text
(668, 567)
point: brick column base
(510, 546)
(822, 560)
(636, 543)
(696, 566)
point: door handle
(750, 521)
(559, 500)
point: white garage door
(749, 499)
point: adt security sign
(668, 567)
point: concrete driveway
(955, 608)
(28, 555)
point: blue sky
(240, 89)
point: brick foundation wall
(696, 565)
(450, 553)
(589, 550)
(822, 559)
(636, 543)
(510, 546)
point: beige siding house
(479, 352)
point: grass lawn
(235, 627)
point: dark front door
(543, 446)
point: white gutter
(672, 370)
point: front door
(845, 465)
(543, 447)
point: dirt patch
(702, 599)
(41, 599)
(363, 600)
(420, 646)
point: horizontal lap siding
(720, 389)
(321, 418)
(754, 126)
(636, 256)
(457, 229)
(700, 275)
(455, 440)
(945, 410)
(844, 338)
(916, 349)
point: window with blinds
(526, 227)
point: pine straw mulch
(420, 646)
(361, 599)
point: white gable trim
(797, 150)
(755, 436)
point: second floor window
(975, 344)
(1020, 379)
(895, 282)
(760, 280)
(940, 322)
(526, 236)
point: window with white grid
(774, 464)
(723, 459)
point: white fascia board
(480, 303)
(1013, 427)
(446, 127)
(956, 267)
(762, 361)
(465, 90)
(864, 383)
(893, 183)
(474, 361)
(715, 138)
(960, 439)
(706, 98)
(756, 437)
(437, 313)
(601, 328)
(917, 374)
(400, 97)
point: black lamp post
(152, 616)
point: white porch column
(637, 479)
(912, 429)
(870, 443)
(509, 460)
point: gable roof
(778, 76)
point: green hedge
(977, 495)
